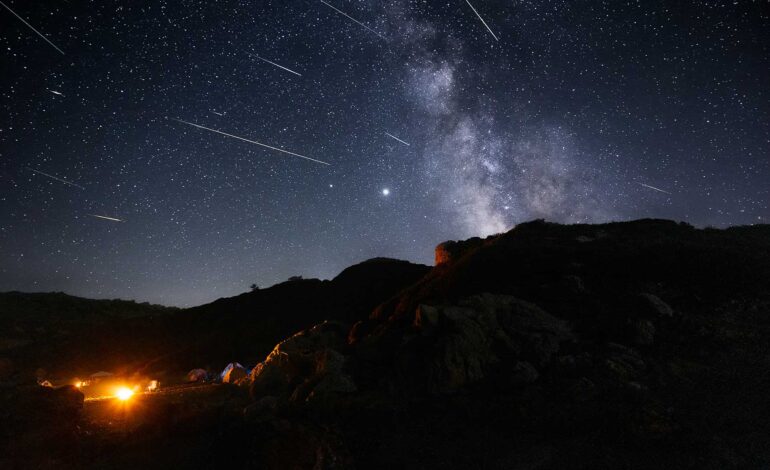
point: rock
(304, 365)
(449, 251)
(623, 363)
(330, 366)
(636, 388)
(296, 446)
(539, 333)
(426, 318)
(583, 389)
(575, 365)
(655, 306)
(461, 344)
(643, 332)
(262, 409)
(34, 407)
(524, 373)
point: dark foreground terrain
(629, 345)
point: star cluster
(433, 127)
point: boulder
(460, 344)
(524, 373)
(655, 306)
(643, 332)
(623, 363)
(304, 365)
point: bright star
(385, 192)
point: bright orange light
(124, 393)
(78, 384)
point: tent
(101, 375)
(197, 375)
(233, 373)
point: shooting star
(113, 219)
(482, 20)
(653, 188)
(250, 141)
(56, 178)
(218, 114)
(352, 19)
(33, 29)
(396, 138)
(279, 66)
(56, 92)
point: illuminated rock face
(459, 344)
(451, 250)
(305, 365)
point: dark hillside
(70, 336)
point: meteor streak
(396, 138)
(482, 20)
(57, 93)
(56, 178)
(273, 63)
(653, 187)
(33, 29)
(353, 19)
(250, 141)
(106, 218)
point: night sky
(423, 125)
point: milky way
(435, 125)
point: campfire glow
(124, 393)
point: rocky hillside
(628, 345)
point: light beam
(482, 20)
(33, 29)
(352, 19)
(251, 141)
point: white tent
(233, 373)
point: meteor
(273, 63)
(33, 29)
(57, 93)
(396, 138)
(250, 141)
(653, 187)
(218, 114)
(352, 19)
(106, 218)
(482, 20)
(56, 178)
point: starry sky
(407, 122)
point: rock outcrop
(557, 346)
(305, 366)
(451, 250)
(457, 345)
